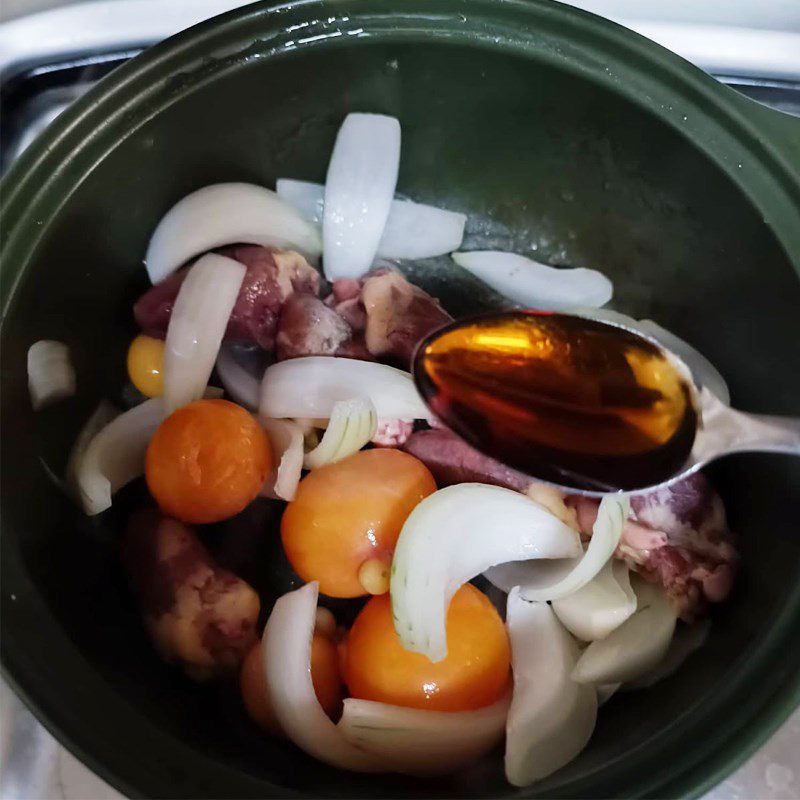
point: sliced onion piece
(240, 384)
(115, 456)
(637, 646)
(307, 197)
(605, 691)
(685, 640)
(551, 716)
(420, 742)
(536, 285)
(51, 376)
(607, 529)
(227, 213)
(413, 230)
(104, 414)
(199, 318)
(416, 230)
(286, 439)
(287, 662)
(359, 188)
(455, 534)
(352, 424)
(311, 386)
(600, 606)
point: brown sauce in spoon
(579, 402)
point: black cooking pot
(556, 132)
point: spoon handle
(726, 430)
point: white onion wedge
(352, 424)
(636, 647)
(600, 606)
(685, 640)
(286, 439)
(605, 691)
(115, 456)
(196, 327)
(311, 386)
(287, 663)
(240, 384)
(416, 230)
(359, 188)
(536, 285)
(227, 213)
(551, 716)
(703, 371)
(101, 416)
(307, 197)
(420, 742)
(607, 529)
(413, 230)
(455, 534)
(51, 376)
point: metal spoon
(586, 405)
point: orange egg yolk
(474, 674)
(325, 676)
(207, 461)
(343, 524)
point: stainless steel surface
(754, 46)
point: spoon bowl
(591, 406)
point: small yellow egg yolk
(146, 365)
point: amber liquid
(562, 398)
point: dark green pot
(564, 134)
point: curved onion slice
(286, 438)
(413, 230)
(607, 529)
(227, 213)
(306, 196)
(703, 371)
(685, 640)
(311, 386)
(636, 647)
(51, 376)
(605, 691)
(551, 716)
(359, 188)
(101, 416)
(352, 424)
(243, 387)
(455, 534)
(115, 456)
(536, 285)
(420, 742)
(199, 318)
(600, 606)
(287, 663)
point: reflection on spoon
(584, 404)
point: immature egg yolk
(207, 461)
(349, 513)
(474, 674)
(146, 365)
(324, 675)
